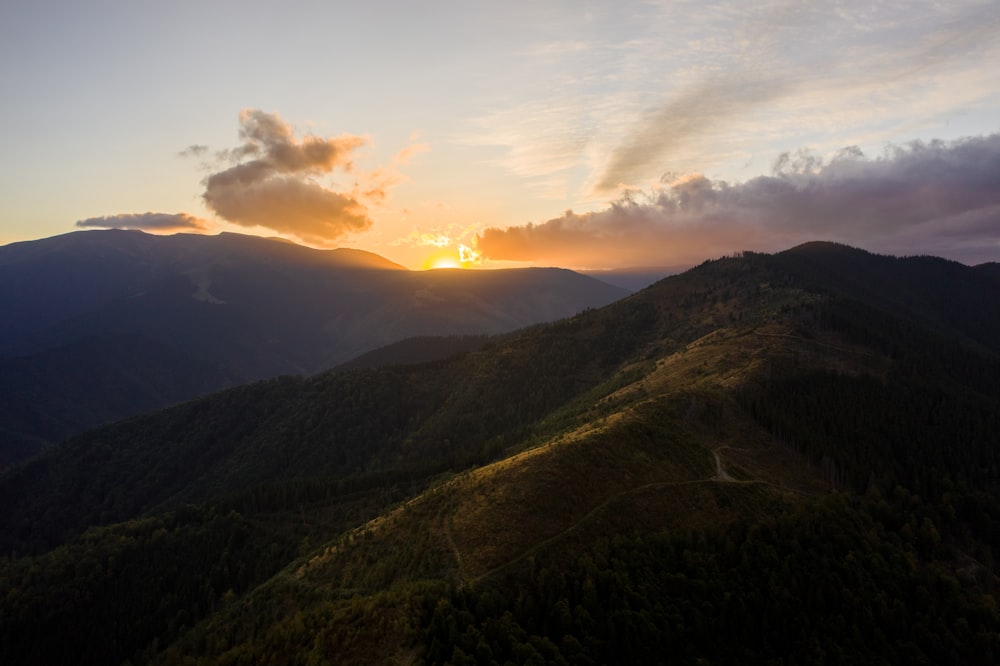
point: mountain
(96, 380)
(53, 280)
(420, 349)
(219, 311)
(944, 295)
(767, 458)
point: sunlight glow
(445, 257)
(450, 254)
(466, 255)
(445, 262)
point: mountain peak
(825, 248)
(184, 247)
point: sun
(445, 262)
(443, 258)
(451, 255)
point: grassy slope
(632, 458)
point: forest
(761, 460)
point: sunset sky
(580, 134)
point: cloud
(194, 150)
(275, 181)
(685, 118)
(792, 70)
(146, 221)
(939, 198)
(544, 140)
(382, 179)
(718, 86)
(407, 153)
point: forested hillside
(784, 458)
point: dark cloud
(146, 221)
(922, 198)
(194, 150)
(275, 183)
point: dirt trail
(721, 475)
(454, 549)
(820, 343)
(720, 472)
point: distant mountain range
(100, 325)
(769, 458)
(635, 278)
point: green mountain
(785, 458)
(419, 349)
(51, 394)
(103, 325)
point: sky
(589, 135)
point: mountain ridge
(947, 298)
(251, 307)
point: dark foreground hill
(762, 460)
(100, 325)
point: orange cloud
(268, 136)
(288, 205)
(403, 156)
(627, 234)
(275, 181)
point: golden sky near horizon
(586, 135)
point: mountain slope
(940, 294)
(54, 279)
(420, 349)
(53, 394)
(242, 307)
(744, 450)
